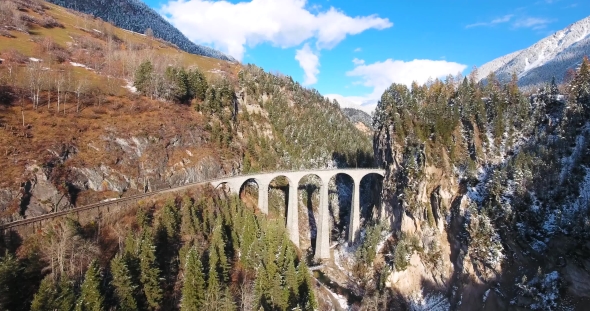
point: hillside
(487, 190)
(136, 16)
(550, 57)
(90, 112)
(360, 119)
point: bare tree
(149, 33)
(59, 83)
(80, 88)
(35, 81)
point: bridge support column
(355, 213)
(263, 197)
(322, 244)
(293, 214)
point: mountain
(137, 103)
(489, 192)
(360, 119)
(136, 16)
(551, 57)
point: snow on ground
(568, 162)
(96, 30)
(478, 193)
(34, 59)
(137, 33)
(80, 65)
(382, 241)
(429, 302)
(341, 300)
(130, 87)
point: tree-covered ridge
(306, 129)
(282, 124)
(136, 16)
(521, 165)
(204, 253)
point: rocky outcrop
(124, 165)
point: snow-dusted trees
(171, 83)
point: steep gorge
(486, 194)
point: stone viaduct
(100, 210)
(263, 180)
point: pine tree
(553, 88)
(66, 299)
(227, 303)
(170, 222)
(193, 288)
(10, 273)
(91, 296)
(123, 283)
(189, 222)
(143, 78)
(582, 84)
(46, 295)
(149, 272)
(307, 299)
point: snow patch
(34, 59)
(129, 86)
(429, 302)
(80, 65)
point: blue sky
(352, 50)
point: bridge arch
(308, 186)
(371, 185)
(316, 216)
(278, 201)
(341, 199)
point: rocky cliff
(486, 196)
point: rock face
(486, 230)
(141, 164)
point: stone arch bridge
(235, 183)
(263, 180)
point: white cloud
(495, 21)
(358, 50)
(357, 61)
(532, 22)
(283, 23)
(310, 62)
(380, 75)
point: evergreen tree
(123, 283)
(91, 296)
(66, 299)
(46, 295)
(581, 85)
(170, 222)
(143, 78)
(197, 84)
(553, 87)
(307, 299)
(193, 287)
(10, 273)
(149, 272)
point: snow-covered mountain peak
(549, 57)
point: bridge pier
(293, 214)
(322, 243)
(355, 212)
(262, 197)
